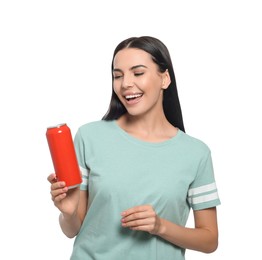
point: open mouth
(133, 97)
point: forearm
(70, 225)
(198, 239)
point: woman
(141, 172)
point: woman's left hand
(143, 218)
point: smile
(133, 97)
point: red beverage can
(63, 155)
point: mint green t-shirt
(120, 171)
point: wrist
(66, 216)
(162, 227)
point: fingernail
(62, 183)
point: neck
(147, 128)
(145, 124)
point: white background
(55, 61)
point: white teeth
(133, 96)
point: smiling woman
(160, 57)
(142, 174)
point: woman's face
(138, 83)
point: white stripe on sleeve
(85, 174)
(203, 198)
(202, 189)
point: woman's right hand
(66, 200)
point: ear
(165, 80)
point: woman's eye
(139, 74)
(117, 76)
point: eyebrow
(132, 68)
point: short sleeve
(80, 153)
(203, 192)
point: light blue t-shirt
(120, 171)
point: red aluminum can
(63, 155)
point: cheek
(150, 83)
(116, 89)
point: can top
(56, 126)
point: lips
(133, 98)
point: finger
(135, 210)
(52, 178)
(57, 192)
(147, 228)
(138, 223)
(138, 215)
(138, 212)
(59, 197)
(57, 185)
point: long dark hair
(160, 55)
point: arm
(71, 223)
(203, 237)
(72, 204)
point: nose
(127, 82)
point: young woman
(141, 172)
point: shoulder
(193, 144)
(94, 126)
(95, 129)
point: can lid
(56, 126)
